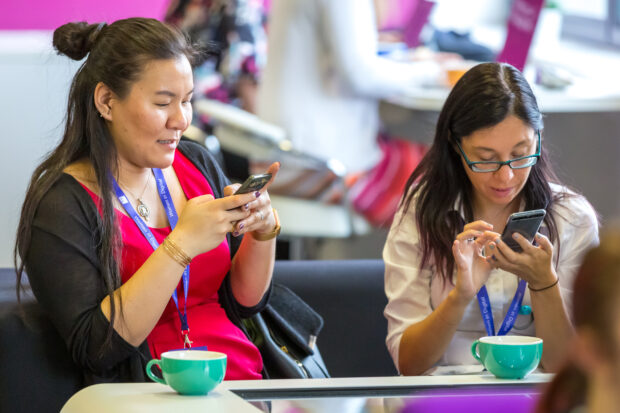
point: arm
(203, 225)
(578, 232)
(417, 335)
(424, 343)
(252, 260)
(351, 32)
(64, 273)
(252, 266)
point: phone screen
(525, 223)
(253, 183)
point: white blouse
(413, 293)
(323, 79)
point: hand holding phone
(253, 183)
(525, 223)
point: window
(595, 20)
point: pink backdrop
(49, 14)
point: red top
(208, 323)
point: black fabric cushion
(349, 295)
(36, 372)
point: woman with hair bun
(590, 379)
(488, 160)
(124, 214)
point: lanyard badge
(511, 316)
(166, 199)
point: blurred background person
(237, 30)
(590, 380)
(322, 84)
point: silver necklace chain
(142, 209)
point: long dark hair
(596, 294)
(483, 97)
(117, 54)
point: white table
(583, 96)
(154, 397)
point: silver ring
(260, 213)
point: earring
(100, 115)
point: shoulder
(65, 204)
(82, 171)
(571, 205)
(200, 157)
(572, 210)
(404, 233)
(206, 164)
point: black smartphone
(526, 223)
(253, 183)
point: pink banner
(520, 31)
(48, 15)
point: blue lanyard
(171, 212)
(511, 315)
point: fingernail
(497, 241)
(246, 206)
(516, 235)
(257, 194)
(538, 236)
(236, 234)
(241, 226)
(491, 246)
(493, 256)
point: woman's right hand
(205, 221)
(472, 269)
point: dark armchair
(38, 375)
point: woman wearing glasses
(487, 162)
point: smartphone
(253, 183)
(525, 223)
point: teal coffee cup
(508, 357)
(190, 372)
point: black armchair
(38, 375)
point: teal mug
(190, 372)
(508, 357)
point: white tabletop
(154, 397)
(583, 96)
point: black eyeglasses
(492, 166)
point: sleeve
(577, 225)
(64, 274)
(407, 287)
(351, 34)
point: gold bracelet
(270, 235)
(175, 252)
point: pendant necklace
(142, 209)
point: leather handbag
(285, 333)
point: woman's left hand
(533, 265)
(261, 218)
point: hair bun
(76, 39)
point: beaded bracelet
(544, 288)
(175, 252)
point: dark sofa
(37, 373)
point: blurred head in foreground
(591, 377)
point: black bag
(285, 333)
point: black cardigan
(64, 273)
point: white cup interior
(193, 355)
(511, 340)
